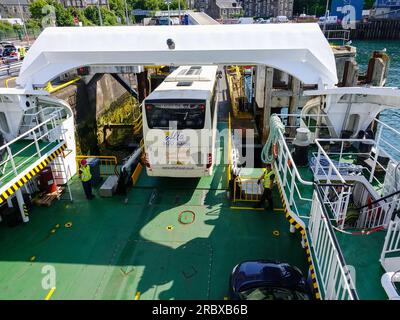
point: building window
(3, 123)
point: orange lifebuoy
(275, 150)
(289, 163)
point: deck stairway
(37, 146)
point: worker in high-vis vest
(268, 178)
(86, 178)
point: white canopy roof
(298, 49)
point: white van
(329, 20)
(246, 20)
(282, 19)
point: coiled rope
(275, 125)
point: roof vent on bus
(195, 70)
(182, 72)
(184, 83)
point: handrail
(8, 80)
(27, 133)
(332, 237)
(305, 182)
(229, 174)
(8, 67)
(52, 89)
(378, 200)
(387, 126)
(320, 149)
(109, 161)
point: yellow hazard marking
(247, 208)
(48, 296)
(137, 295)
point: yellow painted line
(50, 294)
(248, 208)
(137, 295)
(279, 209)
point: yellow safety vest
(267, 176)
(85, 175)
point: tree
(108, 17)
(369, 4)
(118, 7)
(36, 9)
(63, 16)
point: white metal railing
(337, 35)
(333, 275)
(10, 69)
(290, 176)
(314, 122)
(40, 116)
(376, 215)
(48, 132)
(391, 247)
(387, 139)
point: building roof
(14, 2)
(228, 4)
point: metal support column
(269, 79)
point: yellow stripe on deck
(48, 296)
(248, 208)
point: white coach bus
(180, 123)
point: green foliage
(109, 18)
(156, 4)
(5, 26)
(36, 9)
(118, 7)
(368, 4)
(120, 111)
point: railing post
(292, 182)
(377, 149)
(317, 162)
(12, 160)
(392, 225)
(36, 143)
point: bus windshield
(180, 116)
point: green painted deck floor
(363, 253)
(119, 246)
(24, 159)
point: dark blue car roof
(249, 274)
